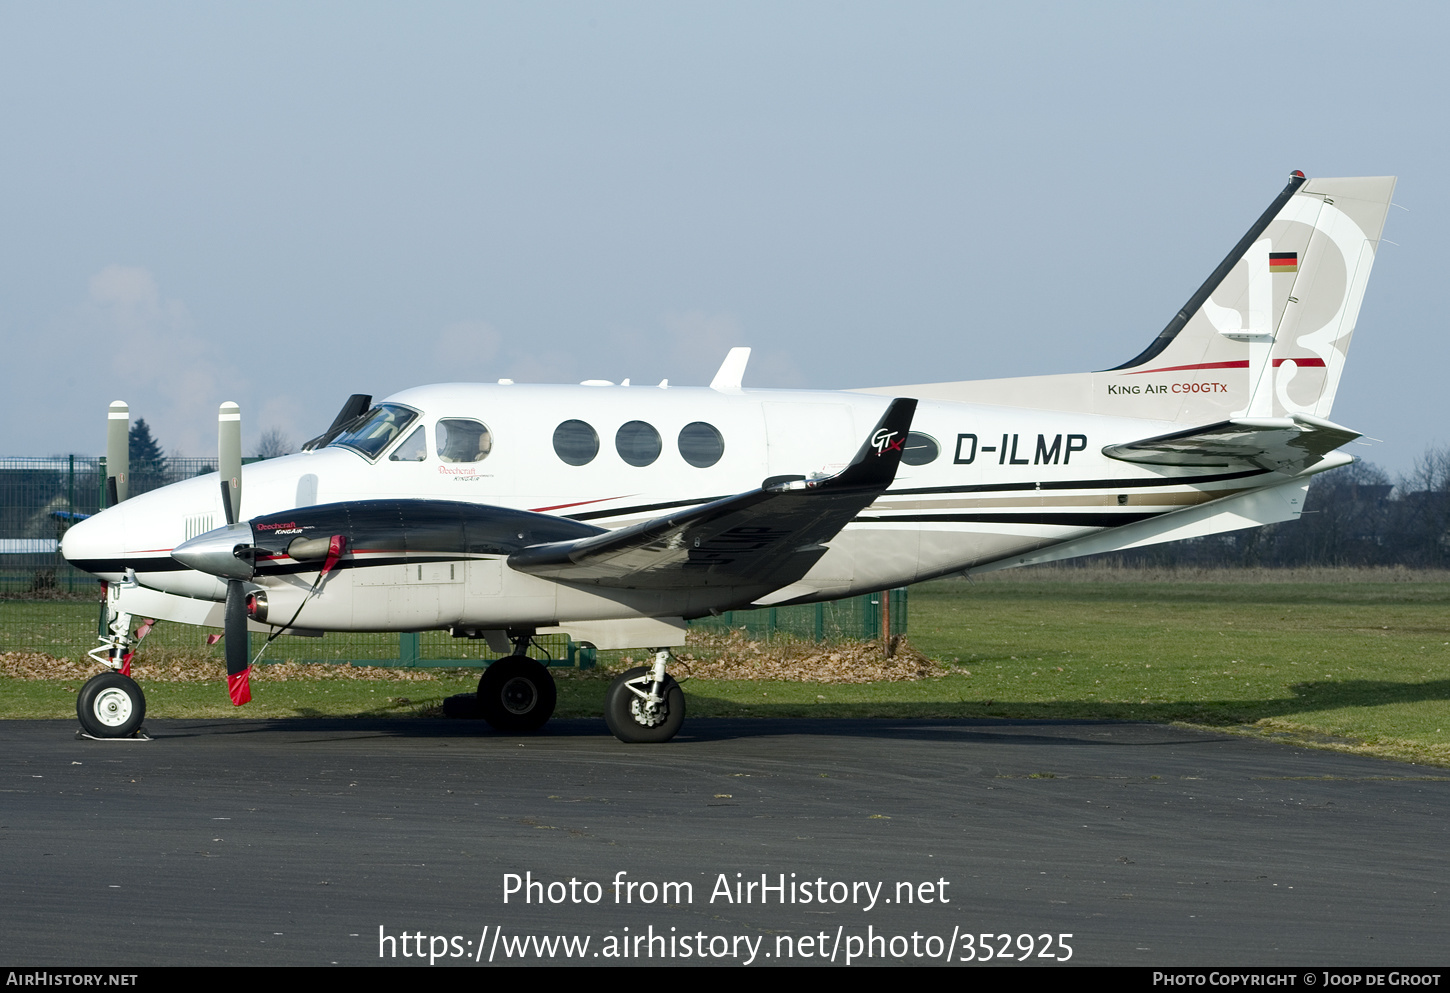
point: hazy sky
(282, 204)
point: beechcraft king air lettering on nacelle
(617, 513)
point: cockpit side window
(413, 449)
(462, 439)
(376, 430)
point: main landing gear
(645, 704)
(516, 694)
(112, 705)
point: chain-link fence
(67, 628)
(859, 617)
(46, 610)
(40, 498)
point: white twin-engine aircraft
(616, 513)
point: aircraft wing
(1280, 444)
(769, 536)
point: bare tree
(1346, 522)
(1422, 527)
(274, 443)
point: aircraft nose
(97, 544)
(224, 552)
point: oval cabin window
(576, 443)
(638, 443)
(701, 444)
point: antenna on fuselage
(732, 370)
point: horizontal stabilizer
(767, 537)
(1279, 444)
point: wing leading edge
(769, 536)
(1279, 444)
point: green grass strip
(1358, 666)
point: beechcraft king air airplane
(617, 513)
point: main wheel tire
(111, 706)
(516, 694)
(628, 718)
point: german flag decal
(1283, 261)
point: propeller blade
(118, 451)
(229, 459)
(239, 670)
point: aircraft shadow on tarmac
(768, 720)
(983, 730)
(1305, 697)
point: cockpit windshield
(375, 430)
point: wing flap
(1279, 444)
(769, 536)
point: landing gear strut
(645, 704)
(112, 705)
(516, 694)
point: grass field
(1365, 662)
(1345, 660)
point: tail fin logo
(881, 441)
(1280, 331)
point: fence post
(580, 655)
(409, 649)
(886, 624)
(70, 506)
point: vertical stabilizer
(1265, 335)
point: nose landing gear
(111, 705)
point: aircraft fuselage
(990, 482)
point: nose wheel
(111, 706)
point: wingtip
(879, 457)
